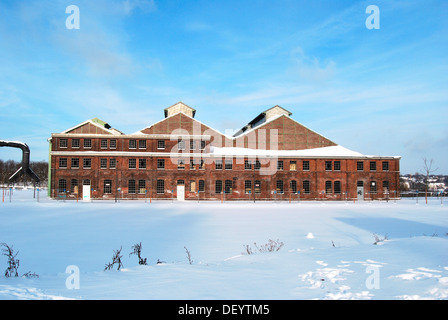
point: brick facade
(180, 150)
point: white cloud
(144, 5)
(310, 68)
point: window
(62, 185)
(107, 186)
(132, 163)
(360, 184)
(180, 164)
(86, 182)
(112, 163)
(142, 163)
(279, 186)
(280, 165)
(192, 164)
(75, 143)
(373, 187)
(337, 166)
(132, 144)
(103, 144)
(337, 187)
(202, 145)
(160, 188)
(360, 166)
(229, 164)
(385, 165)
(257, 165)
(87, 163)
(180, 182)
(113, 144)
(228, 186)
(62, 162)
(192, 186)
(218, 186)
(160, 163)
(87, 143)
(328, 189)
(306, 187)
(192, 145)
(131, 186)
(306, 165)
(257, 186)
(372, 166)
(218, 164)
(201, 186)
(328, 165)
(62, 143)
(75, 163)
(202, 165)
(386, 187)
(74, 185)
(247, 186)
(141, 186)
(292, 165)
(142, 144)
(247, 165)
(103, 163)
(160, 144)
(180, 144)
(293, 185)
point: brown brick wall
(348, 176)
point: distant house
(272, 157)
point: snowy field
(328, 251)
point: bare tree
(427, 167)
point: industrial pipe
(25, 168)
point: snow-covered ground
(328, 251)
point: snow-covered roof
(98, 123)
(324, 152)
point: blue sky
(380, 92)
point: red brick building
(272, 157)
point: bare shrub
(14, 263)
(378, 239)
(116, 260)
(190, 260)
(138, 252)
(270, 246)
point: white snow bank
(51, 235)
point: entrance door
(360, 193)
(181, 193)
(86, 192)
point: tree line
(8, 167)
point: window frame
(160, 186)
(161, 145)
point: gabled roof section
(93, 126)
(292, 135)
(179, 107)
(263, 117)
